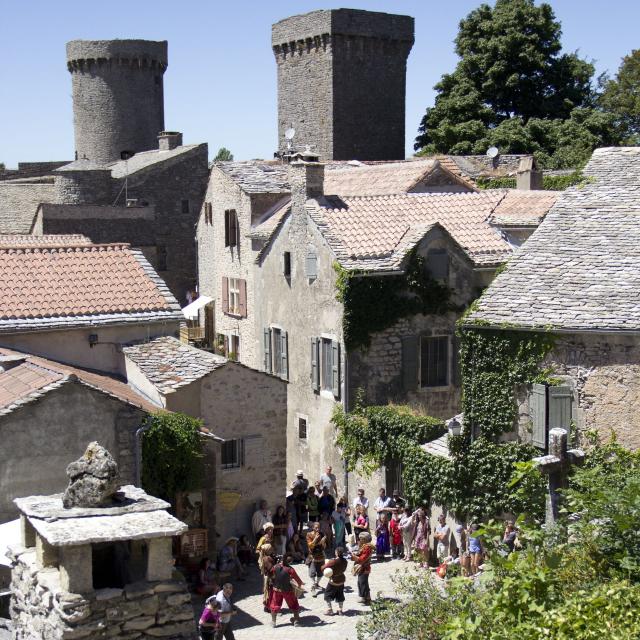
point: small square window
(302, 428)
(232, 454)
(208, 213)
(287, 264)
(185, 206)
(434, 361)
(161, 257)
(438, 264)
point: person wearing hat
(362, 566)
(229, 561)
(266, 537)
(299, 489)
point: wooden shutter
(284, 354)
(335, 369)
(267, 350)
(226, 346)
(315, 369)
(236, 229)
(225, 294)
(560, 407)
(455, 369)
(311, 263)
(243, 298)
(226, 228)
(410, 363)
(538, 413)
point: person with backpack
(282, 588)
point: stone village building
(577, 277)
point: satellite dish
(492, 152)
(289, 133)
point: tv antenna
(289, 134)
(492, 152)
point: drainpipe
(138, 453)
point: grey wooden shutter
(538, 413)
(243, 298)
(312, 263)
(284, 354)
(335, 369)
(410, 363)
(455, 346)
(236, 230)
(225, 294)
(560, 407)
(315, 369)
(267, 350)
(226, 228)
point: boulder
(93, 479)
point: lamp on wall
(454, 425)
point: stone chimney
(169, 140)
(306, 180)
(528, 177)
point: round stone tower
(118, 103)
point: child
(210, 619)
(245, 551)
(396, 536)
(361, 522)
(475, 549)
(382, 537)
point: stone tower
(342, 82)
(118, 100)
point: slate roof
(169, 364)
(579, 271)
(257, 176)
(46, 287)
(523, 208)
(146, 159)
(33, 377)
(375, 233)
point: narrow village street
(252, 623)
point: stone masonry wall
(43, 610)
(19, 202)
(67, 419)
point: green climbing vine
(549, 182)
(374, 303)
(172, 458)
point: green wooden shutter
(410, 363)
(538, 413)
(267, 350)
(560, 407)
(284, 354)
(315, 369)
(455, 345)
(335, 369)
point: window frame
(439, 251)
(286, 264)
(235, 292)
(302, 418)
(446, 339)
(185, 206)
(231, 228)
(237, 462)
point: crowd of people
(317, 528)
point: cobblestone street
(252, 623)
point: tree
(223, 155)
(621, 97)
(513, 88)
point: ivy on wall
(375, 303)
(549, 183)
(172, 458)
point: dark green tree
(513, 88)
(621, 97)
(223, 155)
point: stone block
(167, 630)
(139, 624)
(27, 532)
(76, 571)
(148, 606)
(159, 559)
(108, 594)
(46, 555)
(138, 590)
(178, 599)
(175, 615)
(169, 587)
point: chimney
(306, 178)
(528, 178)
(169, 140)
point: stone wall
(240, 403)
(42, 437)
(342, 82)
(19, 202)
(43, 610)
(604, 373)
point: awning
(9, 536)
(191, 310)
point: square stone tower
(342, 82)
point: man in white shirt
(383, 504)
(227, 610)
(259, 519)
(328, 479)
(442, 535)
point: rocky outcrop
(93, 479)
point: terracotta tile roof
(523, 208)
(46, 287)
(50, 240)
(169, 364)
(375, 233)
(36, 376)
(579, 269)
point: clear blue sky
(220, 86)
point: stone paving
(252, 623)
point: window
(286, 267)
(234, 297)
(230, 345)
(161, 257)
(302, 427)
(232, 454)
(434, 361)
(231, 229)
(208, 213)
(325, 365)
(311, 263)
(276, 352)
(185, 206)
(438, 264)
(549, 407)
